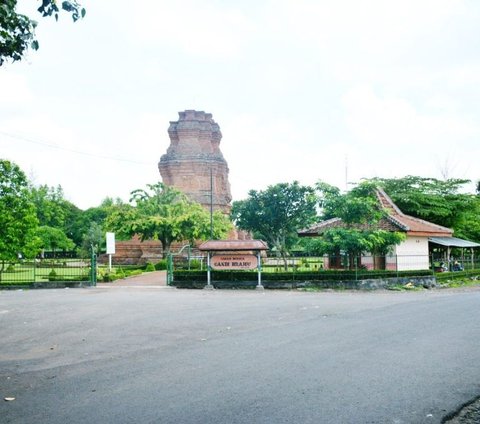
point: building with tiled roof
(412, 253)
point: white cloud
(15, 91)
(296, 86)
(197, 27)
(397, 138)
(375, 121)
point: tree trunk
(285, 263)
(165, 248)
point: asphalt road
(160, 355)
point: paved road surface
(161, 355)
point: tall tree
(17, 31)
(53, 210)
(358, 206)
(18, 221)
(276, 214)
(438, 201)
(92, 239)
(54, 239)
(163, 213)
(359, 211)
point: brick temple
(193, 164)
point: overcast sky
(302, 90)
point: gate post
(169, 269)
(209, 285)
(259, 270)
(93, 268)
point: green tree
(358, 206)
(18, 221)
(54, 239)
(53, 210)
(467, 225)
(437, 201)
(276, 214)
(358, 234)
(80, 225)
(165, 214)
(92, 239)
(49, 204)
(17, 31)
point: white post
(209, 284)
(110, 263)
(259, 267)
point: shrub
(52, 275)
(130, 273)
(119, 273)
(150, 267)
(10, 268)
(329, 275)
(161, 265)
(195, 264)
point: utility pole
(211, 203)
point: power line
(53, 146)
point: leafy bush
(130, 273)
(195, 264)
(457, 274)
(52, 275)
(149, 267)
(161, 265)
(119, 273)
(328, 275)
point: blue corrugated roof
(453, 242)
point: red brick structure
(194, 163)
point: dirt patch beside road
(468, 414)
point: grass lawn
(29, 272)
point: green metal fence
(47, 270)
(331, 267)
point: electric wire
(53, 146)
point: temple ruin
(194, 163)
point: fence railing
(345, 266)
(44, 270)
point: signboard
(110, 243)
(233, 262)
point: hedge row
(329, 275)
(457, 274)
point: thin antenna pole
(211, 203)
(346, 172)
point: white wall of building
(413, 253)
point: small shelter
(446, 244)
(233, 254)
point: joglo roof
(395, 220)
